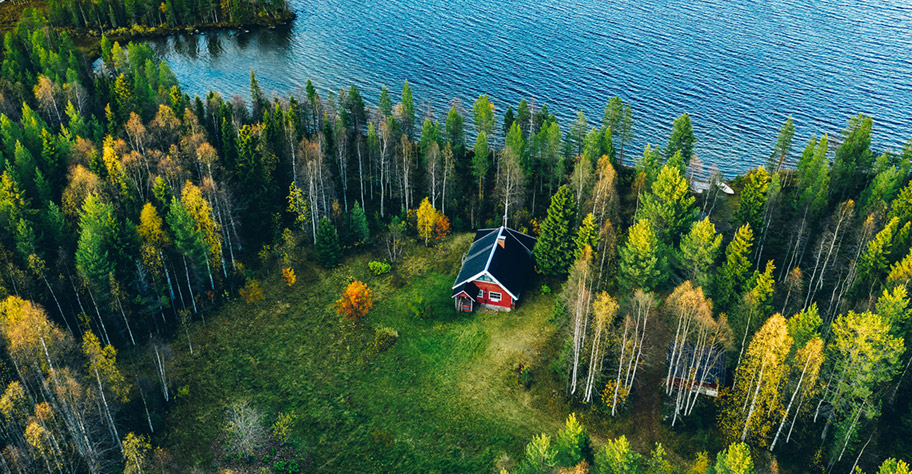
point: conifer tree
(669, 206)
(681, 139)
(736, 459)
(753, 199)
(327, 246)
(733, 275)
(92, 256)
(642, 266)
(853, 157)
(699, 249)
(360, 229)
(587, 235)
(783, 146)
(554, 249)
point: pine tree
(736, 459)
(554, 249)
(92, 250)
(587, 235)
(327, 246)
(732, 277)
(853, 157)
(699, 249)
(669, 206)
(641, 266)
(753, 199)
(359, 227)
(681, 139)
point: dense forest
(130, 212)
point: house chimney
(502, 240)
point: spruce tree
(360, 231)
(327, 246)
(699, 249)
(554, 249)
(681, 139)
(753, 198)
(733, 275)
(642, 266)
(669, 206)
(587, 236)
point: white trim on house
(493, 298)
(494, 280)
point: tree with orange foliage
(288, 276)
(356, 301)
(442, 227)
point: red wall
(505, 300)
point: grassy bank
(445, 398)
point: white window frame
(495, 298)
(481, 293)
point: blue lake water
(738, 67)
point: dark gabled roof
(711, 362)
(469, 288)
(510, 265)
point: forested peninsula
(214, 284)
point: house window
(485, 278)
(495, 296)
(481, 293)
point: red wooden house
(495, 270)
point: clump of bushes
(545, 290)
(419, 307)
(252, 291)
(384, 338)
(524, 374)
(379, 268)
(288, 276)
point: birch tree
(695, 328)
(862, 355)
(604, 310)
(510, 181)
(753, 406)
(577, 296)
(630, 345)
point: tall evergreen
(682, 139)
(360, 231)
(733, 275)
(327, 246)
(642, 265)
(753, 199)
(554, 249)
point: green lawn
(443, 399)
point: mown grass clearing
(444, 398)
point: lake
(738, 67)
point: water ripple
(739, 67)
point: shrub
(524, 374)
(545, 290)
(279, 466)
(356, 301)
(384, 338)
(252, 291)
(442, 228)
(283, 425)
(244, 429)
(288, 276)
(379, 268)
(419, 307)
(293, 467)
